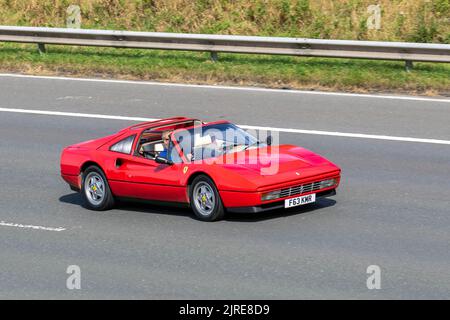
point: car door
(133, 176)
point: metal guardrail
(402, 51)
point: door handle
(119, 162)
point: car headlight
(327, 183)
(271, 195)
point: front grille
(303, 188)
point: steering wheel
(149, 154)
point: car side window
(123, 146)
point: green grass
(267, 71)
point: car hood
(269, 167)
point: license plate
(298, 201)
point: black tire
(216, 211)
(106, 201)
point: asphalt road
(392, 209)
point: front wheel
(95, 190)
(205, 199)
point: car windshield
(213, 140)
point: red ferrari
(212, 167)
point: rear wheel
(95, 190)
(205, 199)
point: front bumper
(275, 205)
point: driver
(166, 141)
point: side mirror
(269, 140)
(162, 160)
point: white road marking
(342, 94)
(28, 226)
(75, 114)
(286, 130)
(349, 135)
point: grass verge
(232, 69)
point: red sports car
(212, 167)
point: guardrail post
(41, 48)
(214, 56)
(409, 65)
